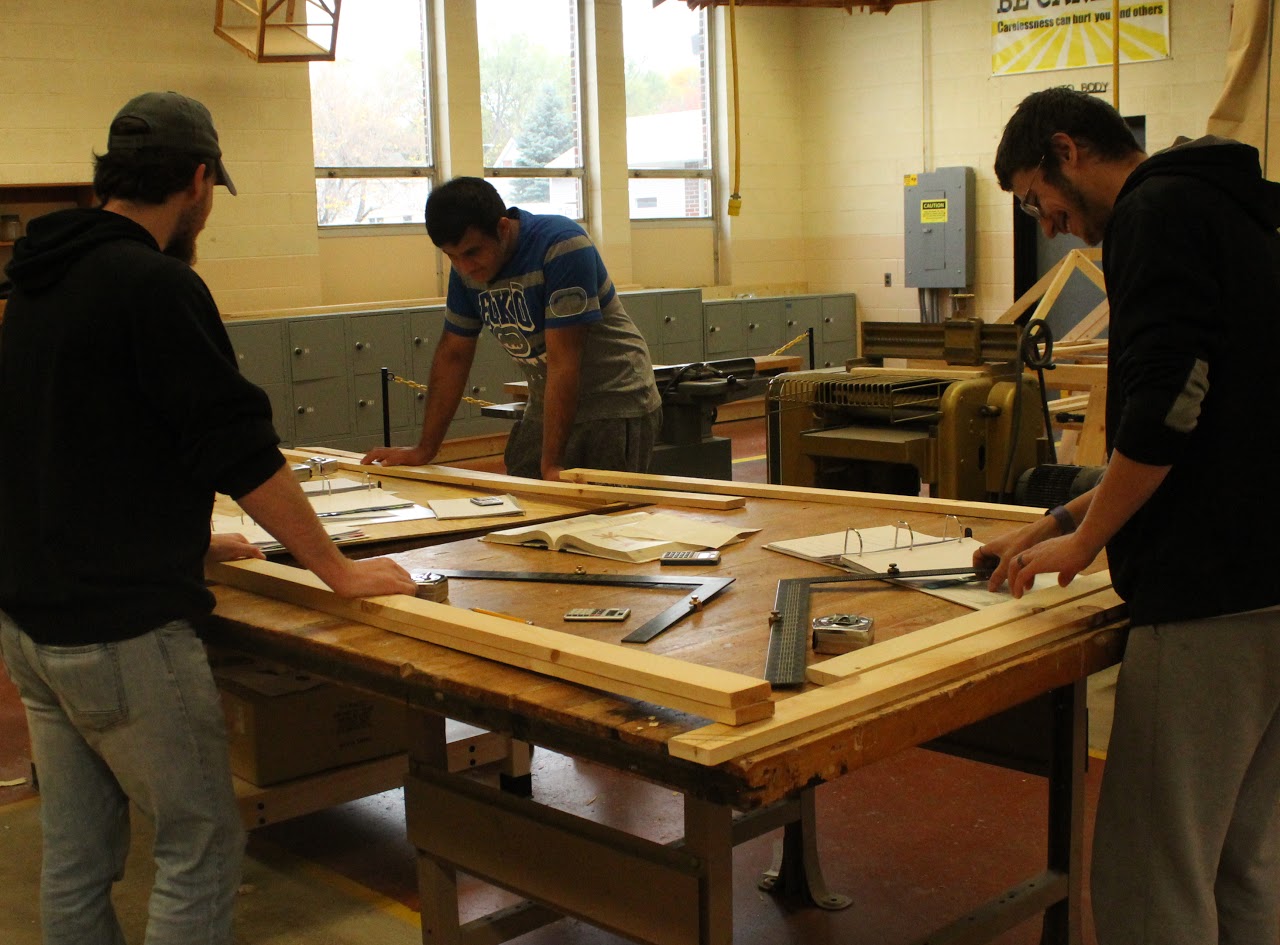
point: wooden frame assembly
(731, 698)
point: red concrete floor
(916, 840)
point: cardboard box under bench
(284, 723)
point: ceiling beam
(872, 6)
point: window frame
(560, 173)
(700, 173)
(429, 171)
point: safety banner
(1046, 35)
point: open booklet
(872, 550)
(639, 536)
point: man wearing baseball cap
(114, 353)
(168, 121)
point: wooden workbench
(613, 878)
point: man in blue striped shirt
(538, 284)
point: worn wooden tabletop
(731, 632)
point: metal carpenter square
(704, 588)
(708, 589)
(788, 634)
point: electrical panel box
(938, 211)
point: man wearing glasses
(1187, 841)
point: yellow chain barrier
(793, 342)
(488, 403)
(423, 388)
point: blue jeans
(139, 720)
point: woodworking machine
(967, 422)
(690, 395)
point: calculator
(487, 500)
(690, 557)
(598, 613)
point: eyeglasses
(1028, 202)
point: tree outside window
(371, 122)
(530, 95)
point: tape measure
(431, 586)
(842, 633)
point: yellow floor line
(283, 858)
(750, 459)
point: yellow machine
(967, 427)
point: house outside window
(669, 119)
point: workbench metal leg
(796, 870)
(1063, 920)
(708, 835)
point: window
(668, 74)
(370, 113)
(530, 102)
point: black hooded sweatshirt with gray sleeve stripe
(1192, 261)
(122, 411)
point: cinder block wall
(882, 96)
(835, 109)
(67, 67)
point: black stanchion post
(386, 408)
(812, 362)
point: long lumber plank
(940, 634)
(729, 715)
(877, 688)
(1076, 377)
(1092, 324)
(758, 490)
(562, 490)
(709, 692)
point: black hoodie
(1192, 260)
(121, 412)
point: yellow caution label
(909, 180)
(933, 211)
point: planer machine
(961, 417)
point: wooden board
(536, 508)
(728, 697)
(878, 500)
(900, 679)
(922, 641)
(563, 490)
(1092, 324)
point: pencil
(494, 613)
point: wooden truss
(1083, 443)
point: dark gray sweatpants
(1187, 843)
(624, 444)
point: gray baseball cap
(169, 120)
